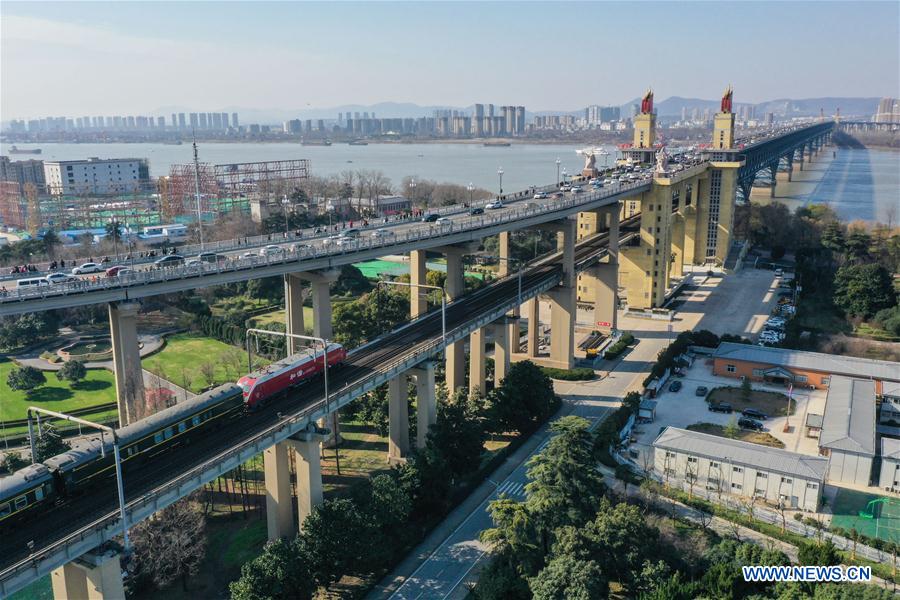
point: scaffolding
(13, 213)
(228, 188)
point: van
(32, 282)
(350, 233)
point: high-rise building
(234, 120)
(96, 176)
(520, 120)
(608, 114)
(223, 117)
(23, 172)
(478, 120)
(160, 122)
(203, 124)
(217, 121)
(181, 121)
(195, 122)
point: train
(89, 461)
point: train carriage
(24, 491)
(263, 384)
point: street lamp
(471, 188)
(500, 173)
(433, 287)
(557, 171)
(284, 203)
(412, 191)
(329, 208)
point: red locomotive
(262, 384)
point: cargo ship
(358, 143)
(497, 144)
(14, 150)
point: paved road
(451, 557)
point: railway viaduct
(683, 214)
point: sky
(92, 58)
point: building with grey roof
(889, 479)
(726, 466)
(848, 430)
(783, 365)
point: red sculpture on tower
(647, 103)
(726, 100)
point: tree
(208, 370)
(351, 282)
(818, 554)
(281, 572)
(16, 332)
(171, 545)
(113, 231)
(389, 504)
(72, 371)
(833, 237)
(457, 437)
(746, 389)
(731, 429)
(25, 379)
(13, 461)
(864, 290)
(568, 578)
(49, 444)
(524, 399)
(565, 486)
(336, 539)
(857, 246)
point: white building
(890, 465)
(848, 430)
(96, 176)
(726, 466)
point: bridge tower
(643, 149)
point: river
(860, 184)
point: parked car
(430, 218)
(779, 272)
(477, 211)
(494, 204)
(271, 250)
(88, 267)
(701, 391)
(745, 423)
(166, 262)
(752, 413)
(53, 278)
(723, 407)
(674, 386)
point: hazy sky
(78, 58)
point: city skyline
(182, 55)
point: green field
(98, 388)
(185, 357)
(884, 525)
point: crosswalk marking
(512, 488)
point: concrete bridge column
(293, 305)
(398, 420)
(477, 371)
(455, 352)
(418, 304)
(426, 407)
(799, 152)
(562, 301)
(505, 268)
(322, 327)
(533, 314)
(502, 350)
(279, 511)
(92, 576)
(307, 452)
(678, 227)
(126, 360)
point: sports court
(869, 514)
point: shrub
(577, 374)
(619, 347)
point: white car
(382, 233)
(444, 222)
(87, 267)
(494, 204)
(271, 250)
(576, 189)
(60, 278)
(248, 255)
(541, 196)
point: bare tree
(781, 511)
(704, 518)
(209, 372)
(171, 545)
(690, 476)
(749, 506)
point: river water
(859, 184)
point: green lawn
(98, 388)
(185, 357)
(763, 438)
(772, 403)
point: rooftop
(814, 361)
(890, 448)
(849, 419)
(764, 458)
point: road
(450, 559)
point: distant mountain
(670, 107)
(785, 107)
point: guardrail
(324, 249)
(107, 527)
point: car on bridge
(382, 233)
(476, 211)
(117, 270)
(494, 204)
(444, 222)
(541, 196)
(271, 250)
(431, 218)
(167, 262)
(60, 278)
(211, 257)
(88, 267)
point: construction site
(248, 188)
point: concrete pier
(93, 576)
(126, 360)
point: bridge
(683, 214)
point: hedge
(577, 374)
(619, 347)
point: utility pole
(197, 189)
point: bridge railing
(324, 248)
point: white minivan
(32, 282)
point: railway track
(101, 500)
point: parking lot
(684, 407)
